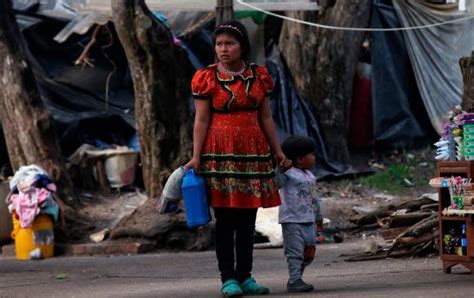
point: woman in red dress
(234, 142)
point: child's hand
(319, 225)
(285, 164)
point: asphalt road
(169, 274)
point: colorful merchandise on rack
(455, 212)
(461, 192)
(457, 141)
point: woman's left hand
(283, 162)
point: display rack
(448, 169)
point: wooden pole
(224, 11)
(467, 70)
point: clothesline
(349, 28)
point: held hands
(194, 164)
(319, 225)
(283, 162)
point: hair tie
(231, 27)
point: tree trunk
(467, 69)
(224, 11)
(28, 127)
(323, 63)
(161, 77)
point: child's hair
(298, 146)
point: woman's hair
(298, 146)
(238, 31)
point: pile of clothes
(31, 194)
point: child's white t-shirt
(298, 196)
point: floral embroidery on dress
(236, 159)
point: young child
(299, 209)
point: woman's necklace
(233, 73)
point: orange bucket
(39, 236)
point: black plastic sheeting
(74, 94)
(399, 115)
(294, 115)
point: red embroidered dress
(236, 159)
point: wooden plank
(454, 217)
(411, 240)
(449, 257)
(203, 5)
(403, 220)
(372, 217)
(389, 234)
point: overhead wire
(352, 28)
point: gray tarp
(434, 54)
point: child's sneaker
(298, 286)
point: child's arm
(317, 210)
(318, 218)
(280, 177)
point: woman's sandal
(230, 288)
(250, 287)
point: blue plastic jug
(195, 201)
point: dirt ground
(99, 212)
(340, 198)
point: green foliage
(390, 179)
(396, 178)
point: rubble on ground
(407, 229)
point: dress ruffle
(236, 159)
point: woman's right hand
(194, 164)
